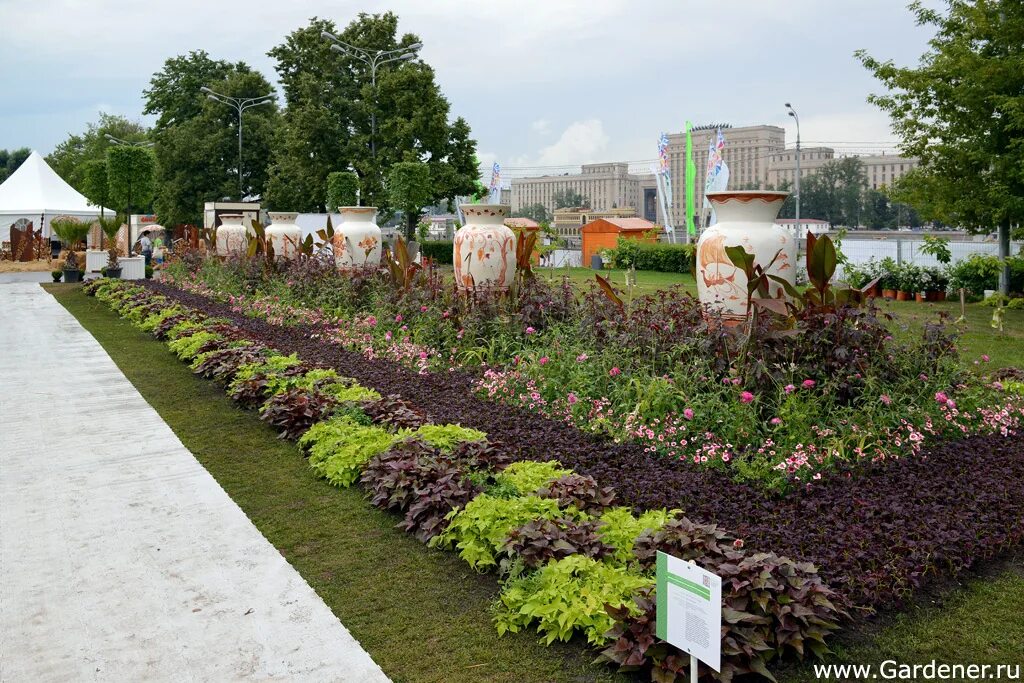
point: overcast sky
(541, 82)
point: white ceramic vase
(284, 235)
(357, 239)
(231, 236)
(745, 218)
(484, 253)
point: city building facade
(880, 170)
(568, 222)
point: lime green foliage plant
(187, 347)
(479, 530)
(528, 475)
(447, 437)
(619, 528)
(339, 448)
(565, 595)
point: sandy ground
(28, 266)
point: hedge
(439, 251)
(667, 258)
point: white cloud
(541, 126)
(580, 143)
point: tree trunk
(410, 225)
(1004, 253)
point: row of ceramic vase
(484, 248)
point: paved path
(121, 559)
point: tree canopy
(69, 158)
(10, 160)
(130, 175)
(197, 145)
(327, 126)
(960, 110)
(537, 212)
(569, 199)
(409, 189)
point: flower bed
(871, 542)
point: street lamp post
(128, 210)
(372, 60)
(240, 105)
(792, 112)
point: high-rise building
(879, 170)
(605, 186)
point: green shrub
(565, 595)
(479, 530)
(184, 329)
(341, 389)
(341, 189)
(154, 319)
(619, 528)
(666, 258)
(339, 448)
(528, 475)
(447, 437)
(439, 251)
(1016, 304)
(187, 347)
(976, 273)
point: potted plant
(71, 270)
(113, 269)
(888, 272)
(56, 274)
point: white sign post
(689, 612)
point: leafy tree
(961, 112)
(409, 189)
(569, 199)
(537, 212)
(130, 173)
(342, 189)
(327, 124)
(95, 184)
(68, 159)
(11, 160)
(197, 138)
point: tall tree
(327, 127)
(130, 174)
(536, 212)
(409, 189)
(68, 159)
(10, 160)
(95, 183)
(961, 112)
(197, 141)
(569, 199)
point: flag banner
(720, 185)
(714, 165)
(663, 181)
(691, 180)
(496, 183)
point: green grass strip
(422, 614)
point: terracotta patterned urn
(284, 235)
(231, 236)
(357, 239)
(745, 218)
(485, 248)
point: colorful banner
(714, 165)
(495, 183)
(663, 181)
(691, 180)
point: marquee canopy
(36, 193)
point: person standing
(147, 247)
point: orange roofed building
(603, 233)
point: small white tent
(36, 193)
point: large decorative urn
(232, 235)
(485, 248)
(284, 235)
(745, 218)
(357, 239)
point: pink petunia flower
(398, 318)
(530, 330)
(543, 360)
(884, 398)
(940, 397)
(571, 398)
(985, 358)
(789, 389)
(582, 357)
(776, 420)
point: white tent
(36, 193)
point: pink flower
(530, 330)
(985, 358)
(387, 336)
(614, 371)
(544, 360)
(423, 355)
(446, 314)
(746, 397)
(808, 384)
(735, 381)
(940, 397)
(371, 321)
(423, 309)
(571, 398)
(884, 398)
(688, 413)
(738, 543)
(459, 334)
(582, 357)
(398, 318)
(776, 420)
(789, 389)
(951, 404)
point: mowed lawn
(422, 614)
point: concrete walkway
(121, 559)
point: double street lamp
(372, 59)
(792, 112)
(240, 105)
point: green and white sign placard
(690, 609)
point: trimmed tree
(961, 112)
(409, 191)
(130, 173)
(342, 188)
